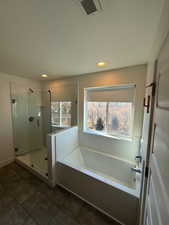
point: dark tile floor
(26, 200)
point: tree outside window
(112, 118)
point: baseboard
(6, 162)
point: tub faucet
(137, 170)
(138, 158)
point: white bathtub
(102, 180)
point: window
(109, 110)
(61, 114)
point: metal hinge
(13, 101)
(147, 105)
(146, 171)
(153, 89)
(153, 85)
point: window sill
(60, 126)
(97, 133)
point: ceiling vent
(91, 6)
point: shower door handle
(137, 170)
(38, 123)
(31, 119)
(147, 105)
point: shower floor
(36, 160)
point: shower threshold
(36, 162)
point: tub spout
(137, 170)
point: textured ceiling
(57, 38)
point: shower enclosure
(37, 116)
(31, 112)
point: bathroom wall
(118, 147)
(131, 75)
(64, 90)
(7, 154)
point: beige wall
(130, 75)
(66, 90)
(122, 149)
(6, 132)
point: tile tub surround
(26, 200)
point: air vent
(91, 6)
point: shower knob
(31, 119)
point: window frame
(99, 133)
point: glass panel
(20, 120)
(31, 123)
(34, 120)
(39, 157)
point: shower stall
(31, 114)
(37, 115)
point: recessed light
(44, 75)
(101, 64)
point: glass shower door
(34, 120)
(39, 158)
(31, 123)
(26, 120)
